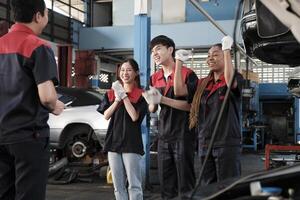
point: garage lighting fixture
(103, 1)
(216, 2)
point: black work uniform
(123, 134)
(25, 62)
(224, 161)
(176, 143)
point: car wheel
(80, 145)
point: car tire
(78, 142)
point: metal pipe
(199, 8)
(101, 55)
(196, 4)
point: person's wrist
(50, 108)
(178, 61)
(123, 95)
(162, 99)
(226, 49)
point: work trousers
(176, 168)
(223, 163)
(126, 165)
(24, 170)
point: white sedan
(80, 130)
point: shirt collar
(221, 78)
(21, 28)
(161, 73)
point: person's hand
(182, 55)
(59, 107)
(119, 90)
(227, 42)
(152, 96)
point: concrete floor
(99, 189)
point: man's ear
(37, 17)
(34, 18)
(171, 49)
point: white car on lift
(80, 130)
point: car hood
(283, 177)
(81, 114)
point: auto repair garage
(142, 108)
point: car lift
(287, 11)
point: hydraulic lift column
(142, 26)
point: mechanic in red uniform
(176, 143)
(28, 73)
(126, 108)
(224, 161)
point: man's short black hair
(163, 40)
(219, 45)
(4, 26)
(24, 10)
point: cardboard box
(252, 76)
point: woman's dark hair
(195, 105)
(135, 67)
(24, 10)
(163, 40)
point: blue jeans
(126, 165)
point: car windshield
(78, 97)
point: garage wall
(121, 37)
(163, 11)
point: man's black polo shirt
(25, 62)
(123, 134)
(173, 123)
(229, 131)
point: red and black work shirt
(123, 134)
(229, 131)
(25, 62)
(173, 123)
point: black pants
(223, 163)
(176, 168)
(24, 170)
